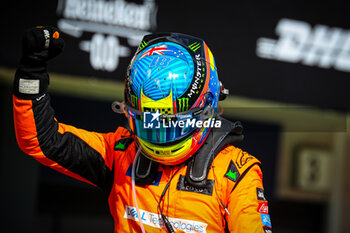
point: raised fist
(40, 44)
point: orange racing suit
(233, 201)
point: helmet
(171, 84)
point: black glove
(39, 44)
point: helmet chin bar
(170, 157)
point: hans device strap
(146, 171)
(199, 165)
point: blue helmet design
(171, 78)
(162, 68)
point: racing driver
(174, 169)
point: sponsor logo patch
(260, 194)
(263, 208)
(182, 185)
(232, 172)
(265, 219)
(123, 144)
(155, 220)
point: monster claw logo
(142, 45)
(183, 104)
(194, 46)
(134, 101)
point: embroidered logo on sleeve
(260, 194)
(232, 172)
(123, 144)
(266, 221)
(263, 208)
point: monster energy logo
(194, 46)
(183, 104)
(133, 100)
(142, 45)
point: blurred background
(286, 64)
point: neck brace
(199, 164)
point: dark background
(231, 31)
(36, 199)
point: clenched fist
(40, 44)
